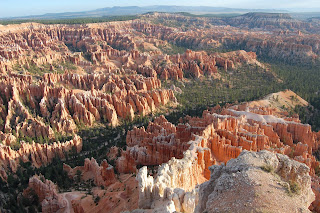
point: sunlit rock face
(217, 137)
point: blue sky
(10, 8)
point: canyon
(254, 145)
(95, 117)
(214, 139)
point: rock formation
(41, 111)
(273, 35)
(121, 196)
(97, 46)
(101, 175)
(37, 154)
(94, 98)
(182, 157)
(51, 201)
(261, 175)
(210, 140)
(268, 21)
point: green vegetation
(243, 84)
(98, 140)
(267, 168)
(191, 20)
(172, 49)
(303, 80)
(38, 139)
(16, 145)
(317, 169)
(59, 67)
(18, 181)
(302, 77)
(71, 20)
(249, 83)
(310, 115)
(294, 188)
(36, 70)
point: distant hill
(134, 10)
(268, 16)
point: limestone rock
(224, 191)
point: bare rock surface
(257, 182)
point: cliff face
(228, 134)
(121, 196)
(224, 191)
(154, 146)
(174, 187)
(252, 20)
(107, 97)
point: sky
(12, 8)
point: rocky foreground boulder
(254, 182)
(257, 182)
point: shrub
(294, 187)
(267, 168)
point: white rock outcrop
(257, 182)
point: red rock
(37, 154)
(101, 175)
(48, 195)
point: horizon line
(288, 10)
